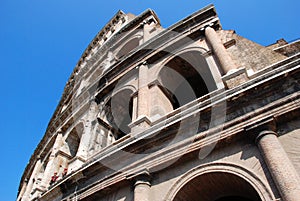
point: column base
(75, 163)
(140, 124)
(235, 77)
(37, 192)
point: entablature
(275, 107)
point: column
(51, 165)
(30, 183)
(219, 50)
(281, 168)
(148, 26)
(142, 187)
(87, 131)
(22, 191)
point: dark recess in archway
(233, 198)
(185, 78)
(119, 113)
(217, 186)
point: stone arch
(185, 76)
(220, 182)
(126, 87)
(128, 46)
(72, 141)
(119, 110)
(202, 51)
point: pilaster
(143, 90)
(142, 122)
(30, 184)
(51, 165)
(86, 135)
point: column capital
(142, 181)
(143, 63)
(142, 185)
(93, 100)
(59, 131)
(210, 25)
(264, 133)
(260, 128)
(140, 124)
(143, 177)
(154, 83)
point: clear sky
(42, 40)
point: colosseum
(191, 112)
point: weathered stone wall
(247, 53)
(104, 163)
(242, 154)
(123, 193)
(285, 48)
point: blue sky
(41, 42)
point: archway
(217, 186)
(73, 140)
(119, 112)
(130, 45)
(186, 77)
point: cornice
(158, 159)
(271, 112)
(180, 27)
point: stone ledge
(235, 77)
(140, 124)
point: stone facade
(192, 112)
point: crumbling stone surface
(173, 114)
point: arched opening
(186, 77)
(73, 140)
(233, 198)
(217, 186)
(133, 43)
(119, 112)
